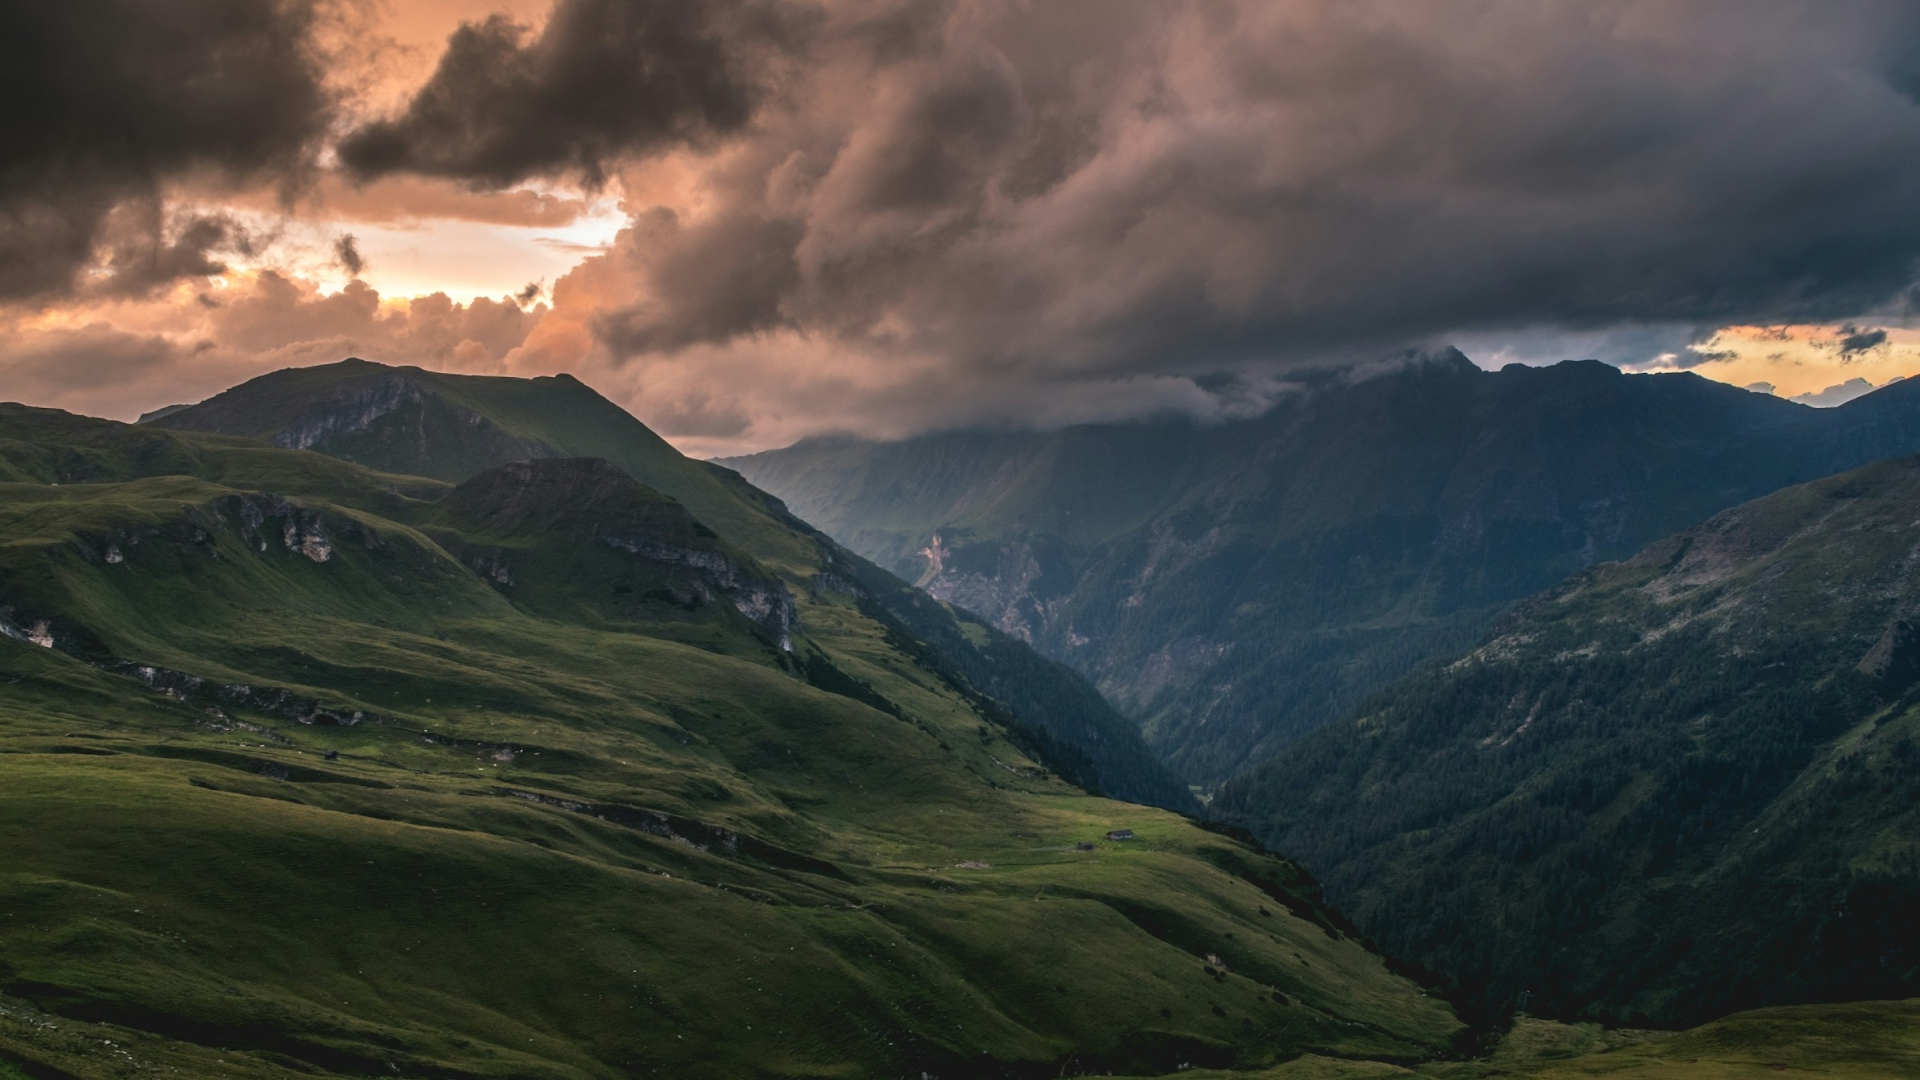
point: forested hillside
(1672, 787)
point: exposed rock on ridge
(525, 504)
(385, 418)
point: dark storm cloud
(346, 252)
(1121, 187)
(102, 101)
(1856, 342)
(706, 283)
(140, 250)
(602, 79)
(902, 211)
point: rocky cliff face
(1002, 581)
(355, 410)
(299, 528)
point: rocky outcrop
(1019, 584)
(1002, 592)
(276, 701)
(264, 518)
(28, 630)
(354, 411)
(764, 601)
(1895, 658)
(515, 513)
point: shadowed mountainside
(1669, 788)
(1235, 586)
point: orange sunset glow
(817, 227)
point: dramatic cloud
(1859, 341)
(296, 324)
(889, 215)
(1818, 365)
(143, 250)
(412, 200)
(1838, 394)
(93, 368)
(603, 79)
(103, 101)
(122, 357)
(346, 252)
(1158, 187)
(1020, 196)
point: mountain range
(1233, 586)
(372, 721)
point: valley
(959, 540)
(519, 765)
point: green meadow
(269, 813)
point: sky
(750, 221)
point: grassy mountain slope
(1669, 788)
(453, 427)
(1867, 1041)
(288, 787)
(47, 446)
(1234, 586)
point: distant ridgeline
(1666, 789)
(1234, 586)
(587, 763)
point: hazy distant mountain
(452, 427)
(1235, 586)
(1668, 788)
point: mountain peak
(1451, 358)
(1563, 369)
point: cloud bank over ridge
(888, 215)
